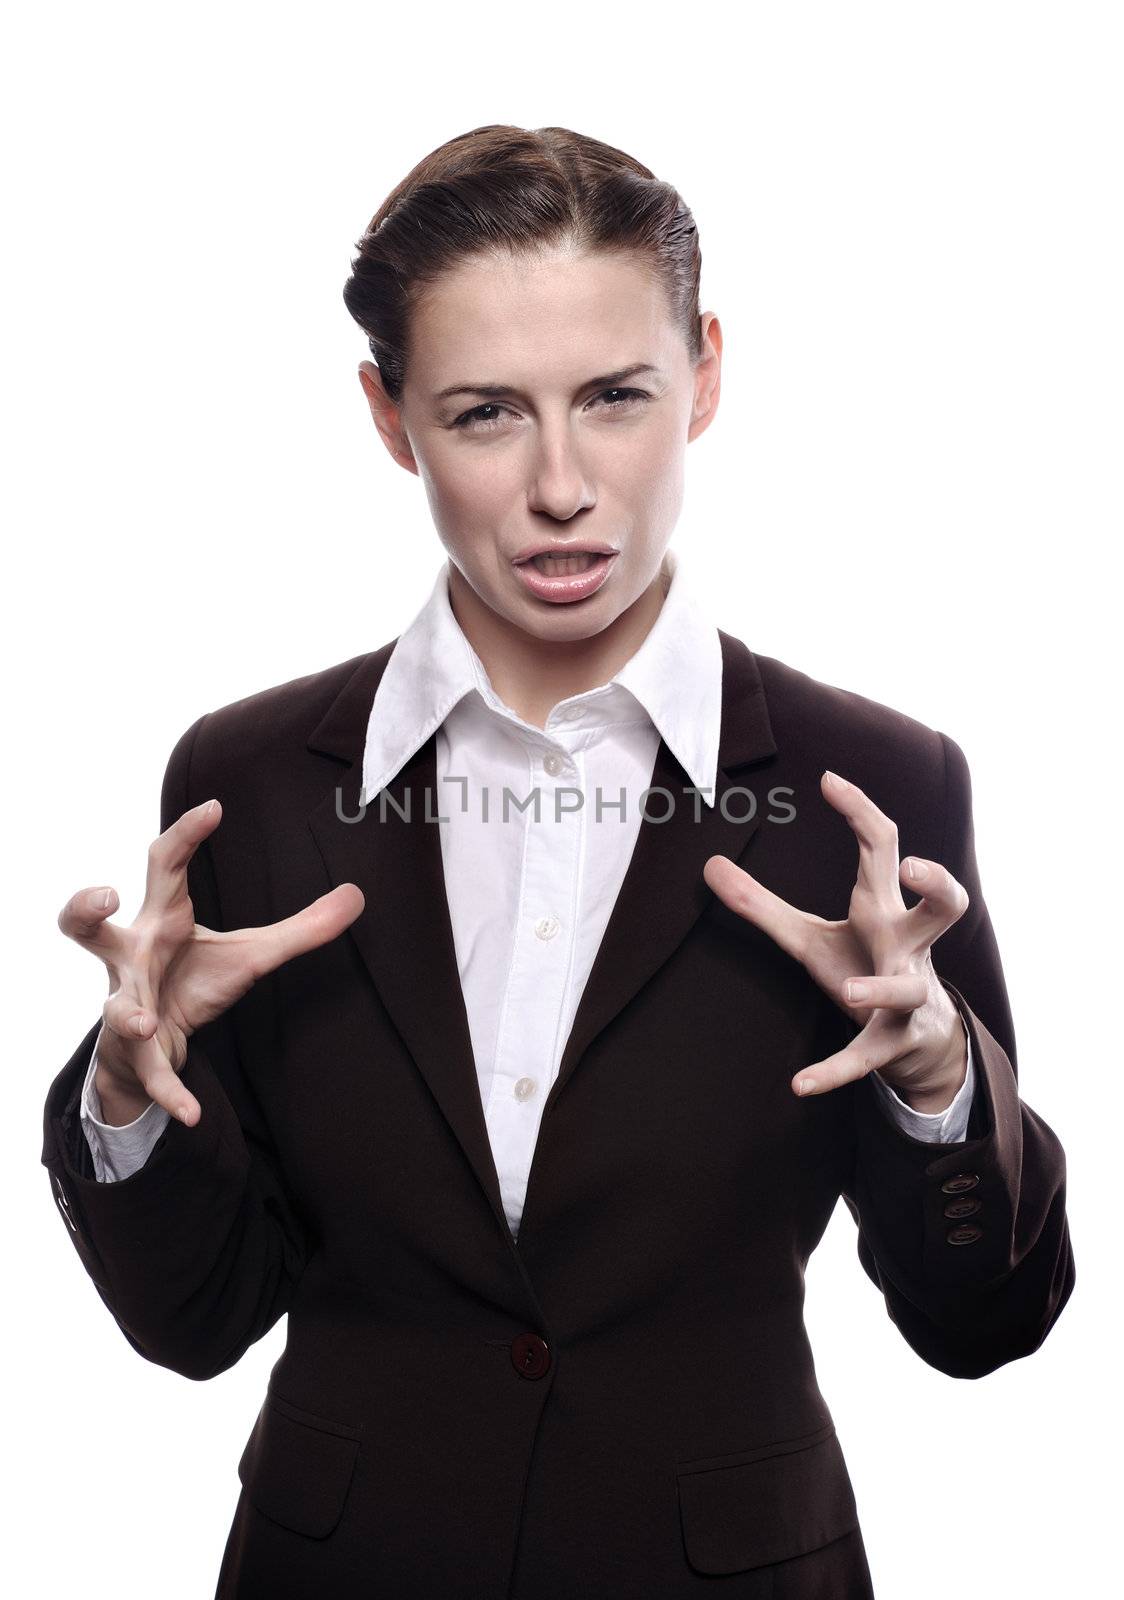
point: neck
(531, 675)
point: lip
(568, 587)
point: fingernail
(137, 1025)
(916, 869)
(806, 1085)
(106, 898)
(857, 991)
(183, 1113)
(830, 779)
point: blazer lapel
(405, 935)
(404, 932)
(663, 891)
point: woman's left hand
(877, 964)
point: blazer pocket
(765, 1505)
(297, 1468)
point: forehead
(521, 318)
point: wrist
(939, 1095)
(933, 1100)
(119, 1104)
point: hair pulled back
(500, 188)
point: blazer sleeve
(197, 1253)
(969, 1242)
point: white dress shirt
(531, 881)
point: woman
(531, 1121)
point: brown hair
(507, 188)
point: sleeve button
(962, 1208)
(967, 1233)
(959, 1182)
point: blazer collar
(404, 934)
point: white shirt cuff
(934, 1127)
(117, 1152)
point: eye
(475, 421)
(473, 416)
(631, 398)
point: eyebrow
(607, 380)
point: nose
(559, 484)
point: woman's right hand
(168, 975)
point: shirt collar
(675, 675)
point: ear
(387, 416)
(707, 377)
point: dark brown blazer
(623, 1404)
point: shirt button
(570, 713)
(547, 927)
(525, 1088)
(552, 764)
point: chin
(555, 623)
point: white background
(911, 229)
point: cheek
(466, 488)
(647, 459)
(651, 481)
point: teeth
(564, 566)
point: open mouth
(565, 566)
(559, 579)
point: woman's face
(548, 439)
